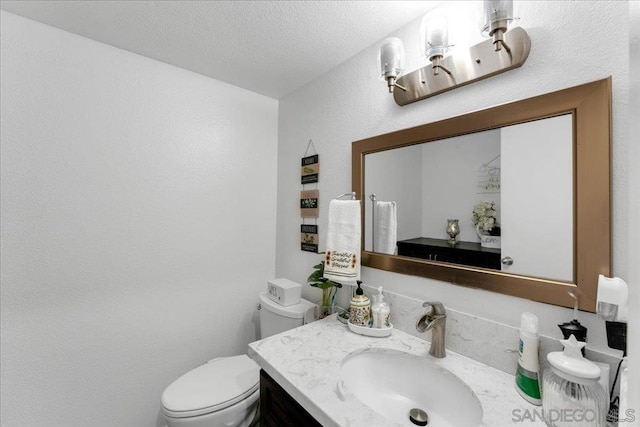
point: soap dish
(371, 332)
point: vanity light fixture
(507, 49)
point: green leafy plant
(329, 287)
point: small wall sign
(310, 169)
(309, 203)
(489, 177)
(309, 238)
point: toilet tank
(276, 318)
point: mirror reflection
(500, 199)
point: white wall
(633, 160)
(397, 178)
(138, 212)
(351, 103)
(450, 182)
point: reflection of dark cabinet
(278, 408)
(465, 253)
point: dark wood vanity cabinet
(465, 253)
(278, 408)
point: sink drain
(418, 417)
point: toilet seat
(214, 386)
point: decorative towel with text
(342, 258)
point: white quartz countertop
(306, 361)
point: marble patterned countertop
(306, 361)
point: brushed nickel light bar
(504, 51)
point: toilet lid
(211, 387)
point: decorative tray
(371, 332)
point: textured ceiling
(268, 47)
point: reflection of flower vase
(486, 240)
(453, 229)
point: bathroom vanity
(304, 365)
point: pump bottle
(360, 308)
(380, 311)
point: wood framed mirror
(587, 111)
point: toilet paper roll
(613, 296)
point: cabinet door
(537, 205)
(279, 409)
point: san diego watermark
(565, 415)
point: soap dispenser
(571, 384)
(380, 311)
(360, 308)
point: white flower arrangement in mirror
(484, 216)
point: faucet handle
(436, 307)
(437, 313)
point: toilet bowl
(225, 392)
(222, 392)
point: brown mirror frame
(590, 105)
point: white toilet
(224, 392)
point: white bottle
(380, 311)
(528, 370)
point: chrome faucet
(435, 319)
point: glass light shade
(496, 11)
(391, 58)
(434, 34)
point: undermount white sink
(392, 383)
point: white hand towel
(342, 258)
(386, 229)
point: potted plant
(329, 289)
